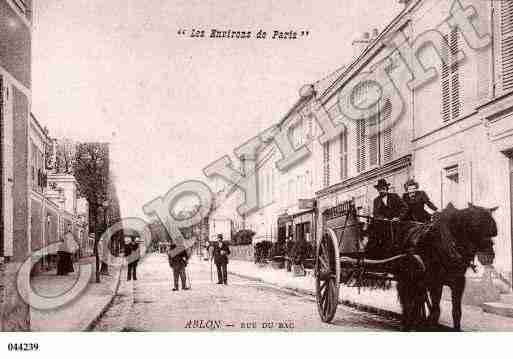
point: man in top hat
(220, 253)
(416, 201)
(388, 205)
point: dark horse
(447, 247)
(439, 253)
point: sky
(118, 71)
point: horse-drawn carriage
(358, 250)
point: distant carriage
(357, 250)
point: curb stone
(130, 302)
(90, 326)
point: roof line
(33, 117)
(371, 46)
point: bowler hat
(219, 236)
(382, 183)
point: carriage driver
(388, 210)
(388, 205)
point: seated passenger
(416, 201)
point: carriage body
(341, 257)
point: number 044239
(22, 347)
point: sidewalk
(81, 313)
(380, 301)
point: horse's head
(479, 229)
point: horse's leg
(435, 293)
(405, 301)
(420, 309)
(457, 288)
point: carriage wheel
(327, 276)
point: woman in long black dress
(65, 261)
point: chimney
(360, 44)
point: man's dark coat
(395, 207)
(218, 257)
(179, 260)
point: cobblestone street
(150, 305)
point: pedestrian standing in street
(221, 252)
(178, 260)
(133, 255)
(65, 259)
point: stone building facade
(15, 100)
(452, 135)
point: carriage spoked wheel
(327, 276)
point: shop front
(285, 225)
(303, 224)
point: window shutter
(455, 75)
(388, 147)
(343, 155)
(373, 141)
(360, 145)
(450, 77)
(506, 41)
(326, 155)
(446, 91)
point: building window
(284, 194)
(452, 189)
(387, 144)
(308, 184)
(326, 164)
(506, 45)
(261, 188)
(33, 165)
(452, 174)
(374, 139)
(361, 139)
(273, 183)
(343, 155)
(290, 192)
(450, 77)
(268, 188)
(310, 133)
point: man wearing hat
(416, 201)
(220, 253)
(388, 205)
(178, 260)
